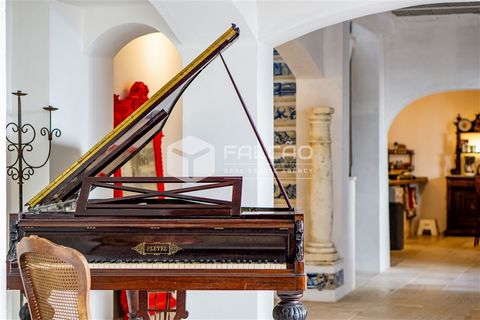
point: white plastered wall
(389, 54)
(28, 70)
(28, 75)
(213, 113)
(3, 198)
(319, 61)
(431, 54)
(366, 111)
(396, 61)
(76, 75)
(68, 86)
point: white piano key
(190, 265)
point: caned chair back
(56, 280)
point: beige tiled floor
(433, 278)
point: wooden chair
(476, 240)
(56, 280)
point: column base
(325, 282)
(320, 253)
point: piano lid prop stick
(260, 141)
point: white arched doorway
(393, 66)
(101, 53)
(433, 138)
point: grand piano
(195, 235)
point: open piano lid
(128, 138)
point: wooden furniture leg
(133, 305)
(476, 240)
(290, 307)
(143, 304)
(181, 312)
(24, 313)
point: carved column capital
(320, 119)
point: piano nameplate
(157, 248)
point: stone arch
(291, 21)
(101, 51)
(108, 43)
(419, 92)
(435, 143)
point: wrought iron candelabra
(21, 169)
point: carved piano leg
(24, 313)
(290, 307)
(181, 312)
(143, 305)
(133, 305)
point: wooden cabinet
(467, 150)
(461, 206)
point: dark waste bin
(396, 226)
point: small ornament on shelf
(469, 167)
(464, 145)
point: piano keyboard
(189, 265)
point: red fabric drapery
(159, 297)
(122, 108)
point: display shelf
(401, 152)
(400, 159)
(402, 182)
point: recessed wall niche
(152, 59)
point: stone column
(320, 248)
